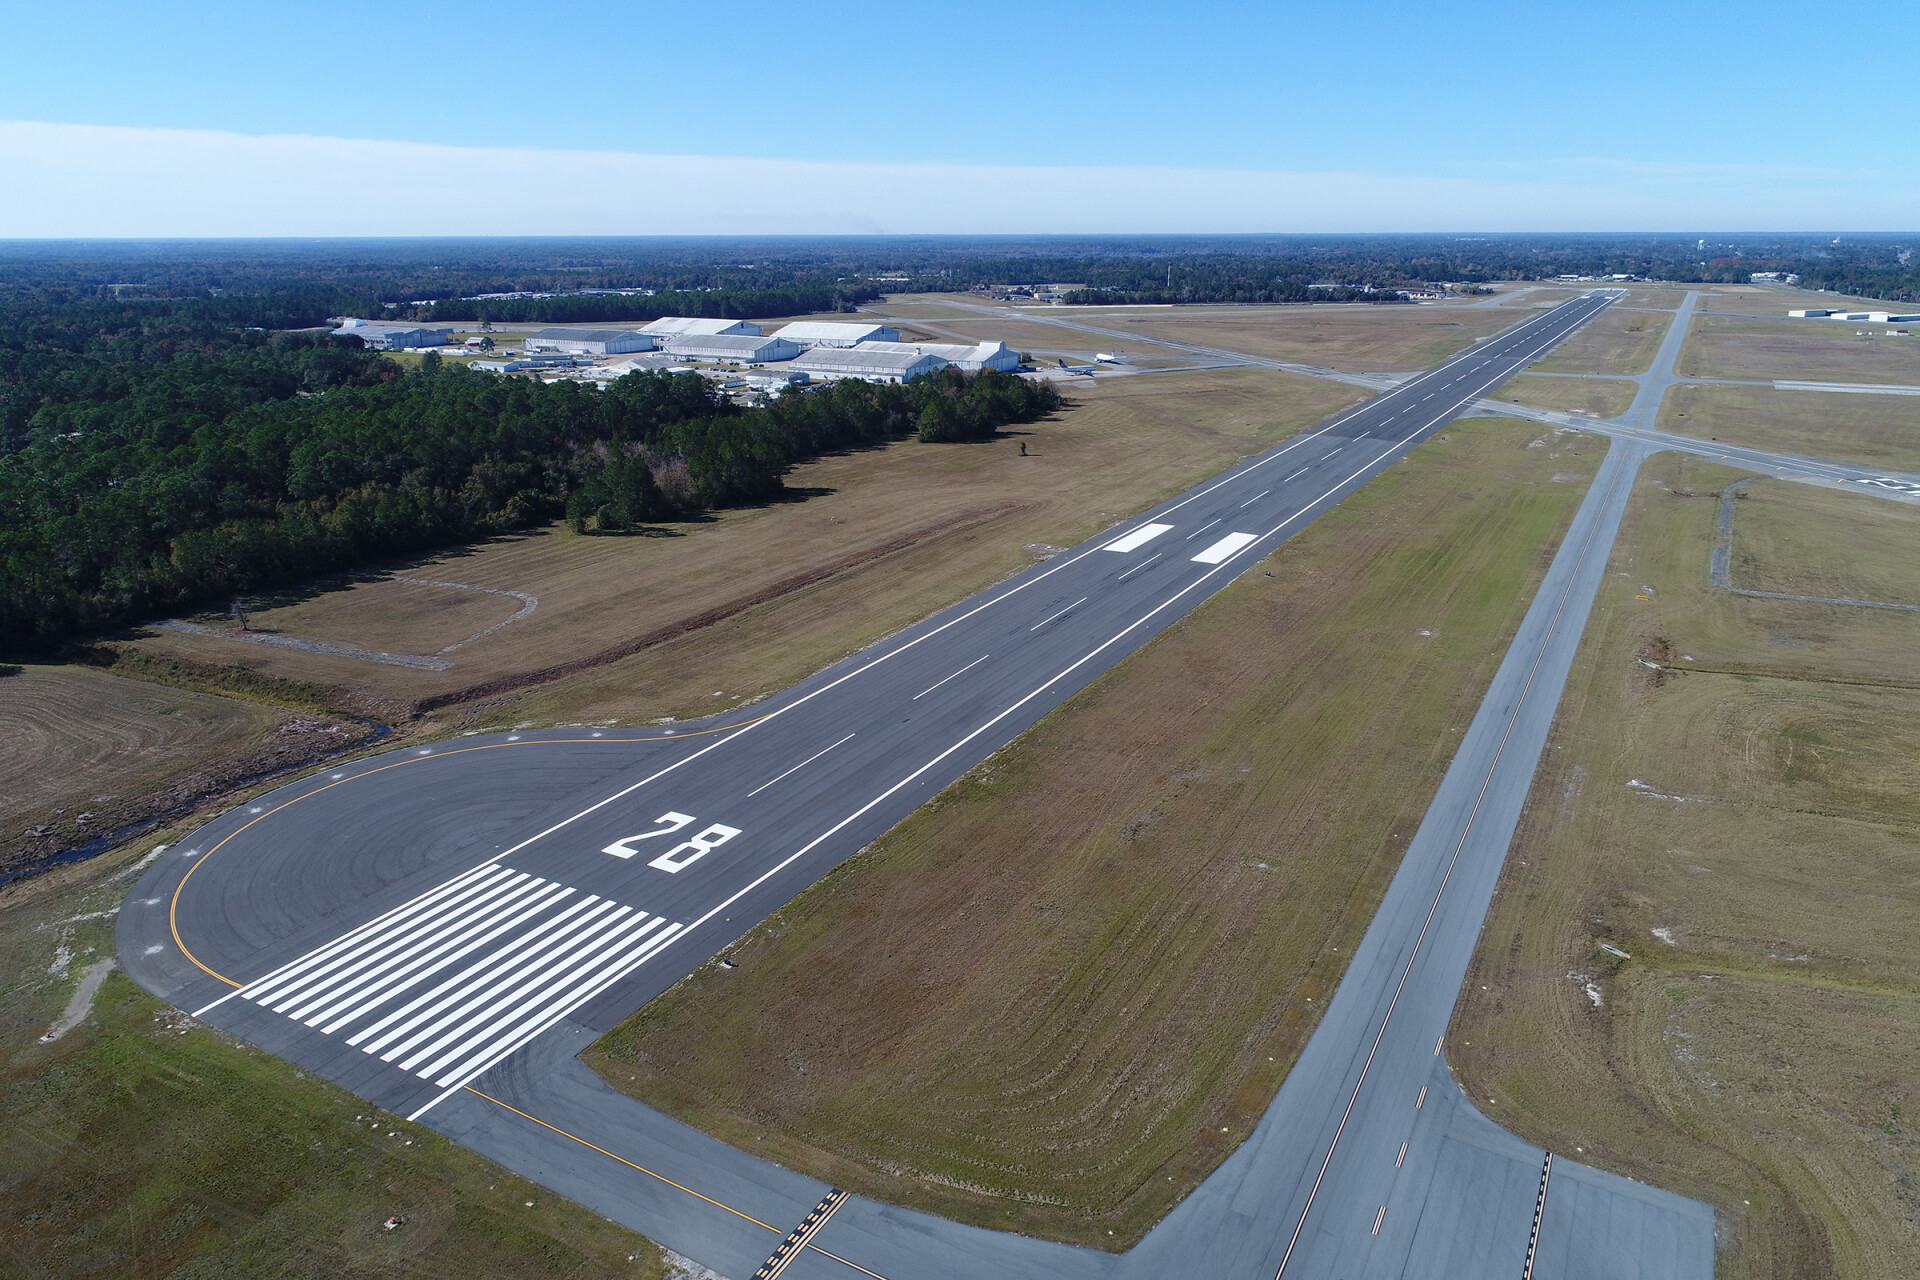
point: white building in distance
(970, 358)
(807, 334)
(667, 327)
(732, 348)
(590, 342)
(864, 361)
(383, 335)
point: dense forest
(156, 460)
(748, 276)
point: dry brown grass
(1036, 1003)
(890, 535)
(76, 740)
(1810, 350)
(1357, 336)
(1757, 807)
(1603, 398)
(1817, 542)
(1613, 342)
(1869, 429)
(1655, 298)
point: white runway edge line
(1225, 547)
(1138, 538)
(1036, 692)
(1513, 718)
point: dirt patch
(1055, 998)
(1760, 1046)
(84, 754)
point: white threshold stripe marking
(936, 684)
(1255, 498)
(299, 999)
(816, 755)
(1225, 547)
(425, 906)
(404, 909)
(598, 906)
(1137, 568)
(356, 994)
(1203, 528)
(1050, 617)
(459, 1079)
(1138, 538)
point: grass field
(1807, 542)
(1747, 829)
(1614, 342)
(1602, 397)
(1870, 429)
(1057, 997)
(141, 1144)
(1811, 350)
(1656, 298)
(77, 743)
(888, 536)
(1358, 336)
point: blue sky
(1625, 115)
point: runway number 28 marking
(682, 855)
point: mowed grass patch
(1822, 542)
(1601, 397)
(1750, 836)
(1720, 346)
(1358, 336)
(1868, 429)
(887, 536)
(144, 1144)
(1613, 342)
(1057, 997)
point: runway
(441, 929)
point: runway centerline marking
(962, 671)
(1302, 471)
(1203, 528)
(816, 755)
(1137, 568)
(1255, 498)
(1050, 617)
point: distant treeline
(169, 464)
(727, 304)
(1270, 292)
(741, 276)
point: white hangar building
(383, 335)
(590, 342)
(732, 348)
(969, 359)
(807, 334)
(864, 361)
(667, 327)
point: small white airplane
(1086, 370)
(1109, 357)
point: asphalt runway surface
(441, 929)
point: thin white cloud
(88, 180)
